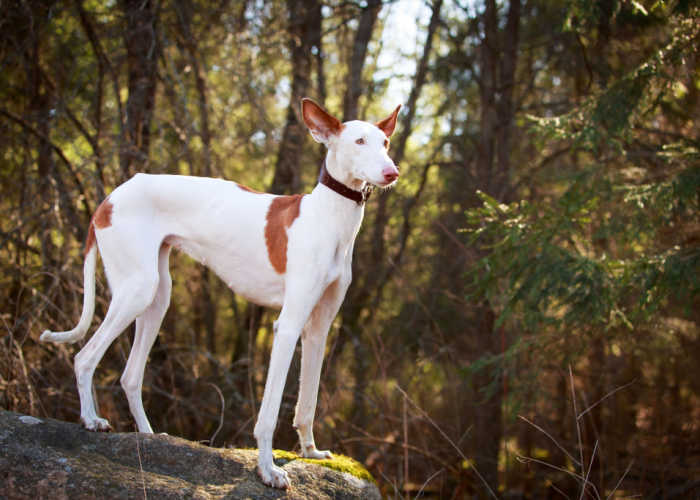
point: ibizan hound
(288, 252)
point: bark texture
(141, 44)
(304, 29)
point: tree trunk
(488, 415)
(317, 42)
(103, 66)
(184, 11)
(368, 18)
(140, 40)
(304, 29)
(498, 57)
(505, 107)
(40, 110)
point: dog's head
(358, 149)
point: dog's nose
(390, 173)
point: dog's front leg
(313, 345)
(288, 327)
(285, 339)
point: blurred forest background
(524, 317)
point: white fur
(223, 226)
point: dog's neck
(358, 196)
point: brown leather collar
(327, 179)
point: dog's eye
(360, 141)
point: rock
(46, 458)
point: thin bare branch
(426, 482)
(551, 439)
(619, 482)
(605, 397)
(585, 481)
(578, 427)
(221, 415)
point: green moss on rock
(340, 463)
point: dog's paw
(310, 451)
(96, 424)
(274, 476)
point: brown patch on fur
(281, 214)
(101, 219)
(103, 215)
(246, 188)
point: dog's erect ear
(387, 125)
(322, 124)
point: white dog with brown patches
(288, 252)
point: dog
(288, 252)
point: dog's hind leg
(130, 297)
(147, 328)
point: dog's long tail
(81, 329)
